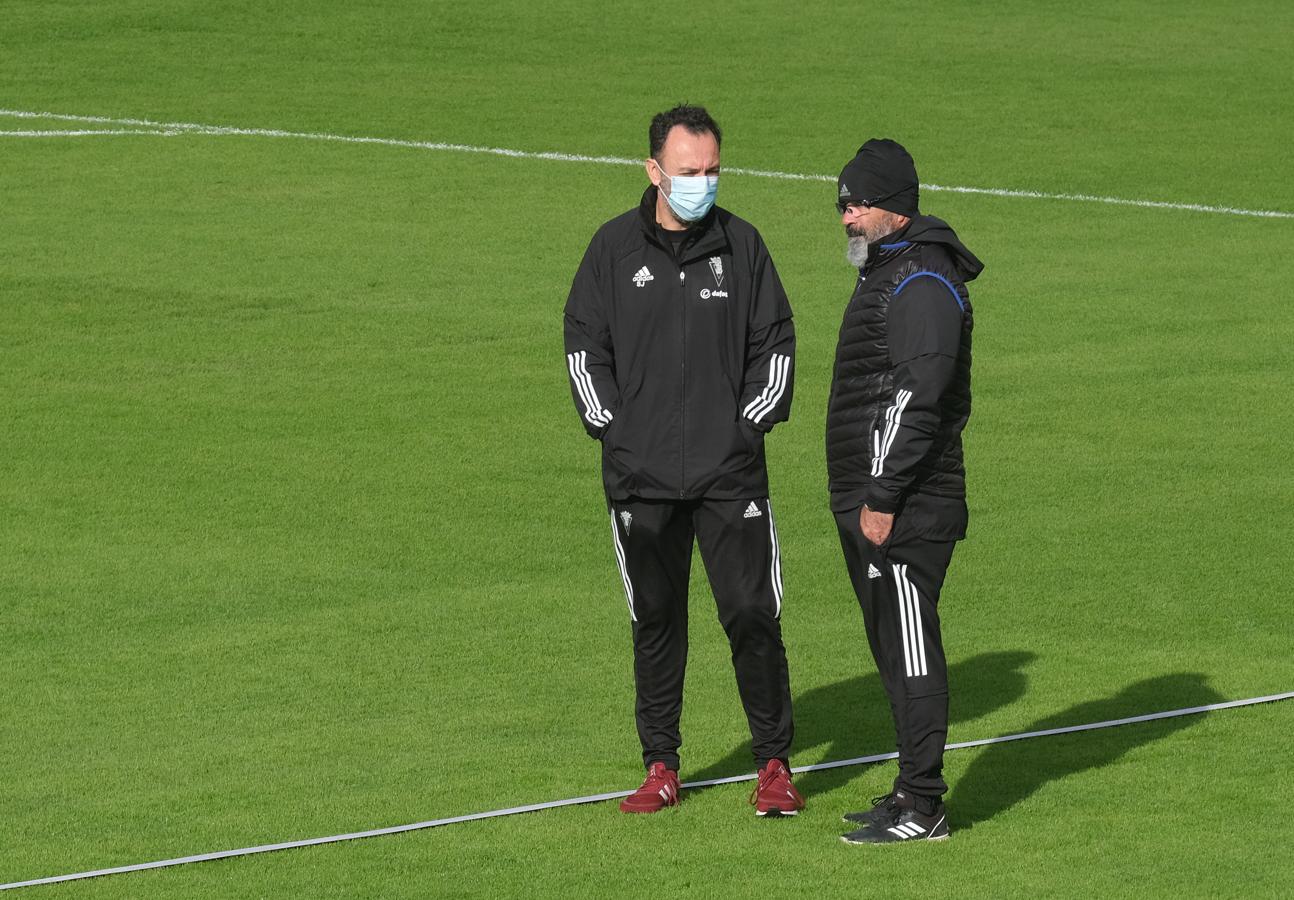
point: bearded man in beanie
(900, 397)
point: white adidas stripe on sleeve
(576, 363)
(881, 445)
(779, 369)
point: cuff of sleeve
(764, 427)
(880, 501)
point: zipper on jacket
(682, 398)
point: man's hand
(876, 526)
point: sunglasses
(843, 206)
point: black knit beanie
(882, 175)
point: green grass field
(300, 533)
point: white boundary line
(597, 798)
(87, 132)
(195, 128)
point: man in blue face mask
(680, 351)
(684, 198)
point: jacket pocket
(611, 437)
(746, 444)
(607, 432)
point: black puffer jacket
(680, 361)
(901, 387)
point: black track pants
(898, 586)
(738, 539)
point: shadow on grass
(1003, 775)
(851, 718)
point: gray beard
(856, 251)
(856, 246)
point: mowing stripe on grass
(597, 798)
(196, 128)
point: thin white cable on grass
(196, 128)
(613, 795)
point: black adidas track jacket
(679, 364)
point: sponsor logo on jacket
(706, 294)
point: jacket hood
(932, 230)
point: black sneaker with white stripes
(883, 809)
(903, 825)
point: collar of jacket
(704, 238)
(886, 249)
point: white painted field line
(196, 128)
(597, 798)
(87, 132)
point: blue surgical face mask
(690, 196)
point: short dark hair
(694, 118)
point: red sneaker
(657, 792)
(774, 795)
